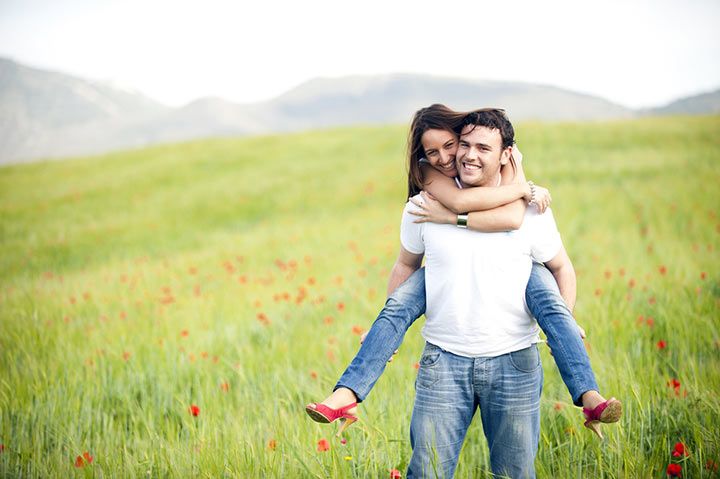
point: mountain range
(46, 114)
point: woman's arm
(503, 218)
(476, 198)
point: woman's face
(440, 148)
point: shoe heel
(594, 426)
(344, 424)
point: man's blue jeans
(448, 390)
(407, 303)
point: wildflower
(608, 274)
(416, 366)
(675, 384)
(83, 460)
(395, 474)
(323, 445)
(662, 269)
(674, 470)
(558, 406)
(703, 275)
(598, 292)
(679, 450)
(313, 374)
(2, 447)
(194, 410)
(357, 330)
(631, 283)
(192, 270)
(341, 306)
(311, 281)
(661, 344)
(225, 387)
(348, 458)
(328, 320)
(343, 441)
(272, 444)
(710, 465)
(126, 355)
(651, 300)
(184, 333)
(621, 272)
(650, 322)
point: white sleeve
(411, 233)
(545, 242)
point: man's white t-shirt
(475, 282)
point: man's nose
(472, 154)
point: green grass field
(234, 275)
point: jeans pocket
(526, 360)
(428, 374)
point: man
(480, 349)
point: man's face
(480, 155)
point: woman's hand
(542, 198)
(432, 211)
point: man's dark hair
(495, 119)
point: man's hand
(362, 340)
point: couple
(475, 290)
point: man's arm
(562, 269)
(405, 265)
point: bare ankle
(591, 399)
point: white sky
(634, 52)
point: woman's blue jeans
(407, 303)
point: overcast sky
(636, 53)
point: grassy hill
(234, 275)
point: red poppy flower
(662, 269)
(313, 374)
(225, 386)
(631, 283)
(674, 470)
(184, 333)
(598, 292)
(341, 306)
(323, 445)
(272, 444)
(711, 465)
(650, 322)
(661, 344)
(357, 330)
(395, 474)
(81, 461)
(608, 274)
(679, 450)
(703, 275)
(194, 410)
(126, 355)
(2, 447)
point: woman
(433, 143)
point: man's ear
(505, 155)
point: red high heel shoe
(325, 414)
(605, 412)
